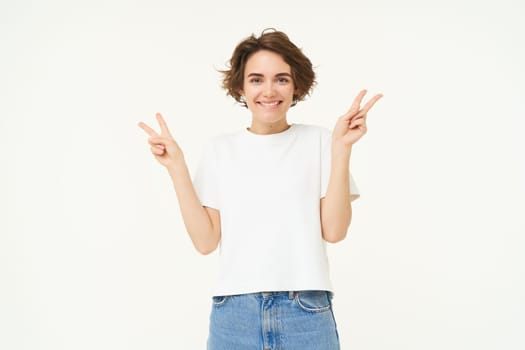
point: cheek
(251, 91)
(289, 91)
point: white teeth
(269, 104)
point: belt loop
(291, 294)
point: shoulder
(316, 131)
(312, 128)
(223, 138)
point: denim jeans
(285, 320)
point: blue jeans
(287, 320)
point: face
(268, 87)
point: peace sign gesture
(352, 125)
(163, 146)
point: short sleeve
(205, 180)
(326, 148)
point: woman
(271, 195)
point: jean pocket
(219, 300)
(313, 300)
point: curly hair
(303, 75)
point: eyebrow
(277, 75)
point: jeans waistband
(291, 294)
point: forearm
(196, 219)
(336, 211)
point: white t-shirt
(268, 190)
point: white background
(93, 249)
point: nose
(269, 90)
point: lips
(269, 104)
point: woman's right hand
(163, 146)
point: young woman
(270, 196)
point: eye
(255, 80)
(283, 80)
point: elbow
(335, 237)
(334, 225)
(206, 250)
(208, 247)
(206, 243)
(335, 234)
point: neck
(269, 128)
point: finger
(364, 111)
(157, 150)
(357, 116)
(164, 131)
(157, 141)
(149, 130)
(357, 122)
(355, 105)
(371, 103)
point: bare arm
(202, 224)
(336, 209)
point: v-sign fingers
(164, 131)
(149, 130)
(355, 105)
(370, 103)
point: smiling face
(268, 89)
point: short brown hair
(303, 75)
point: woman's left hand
(352, 125)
